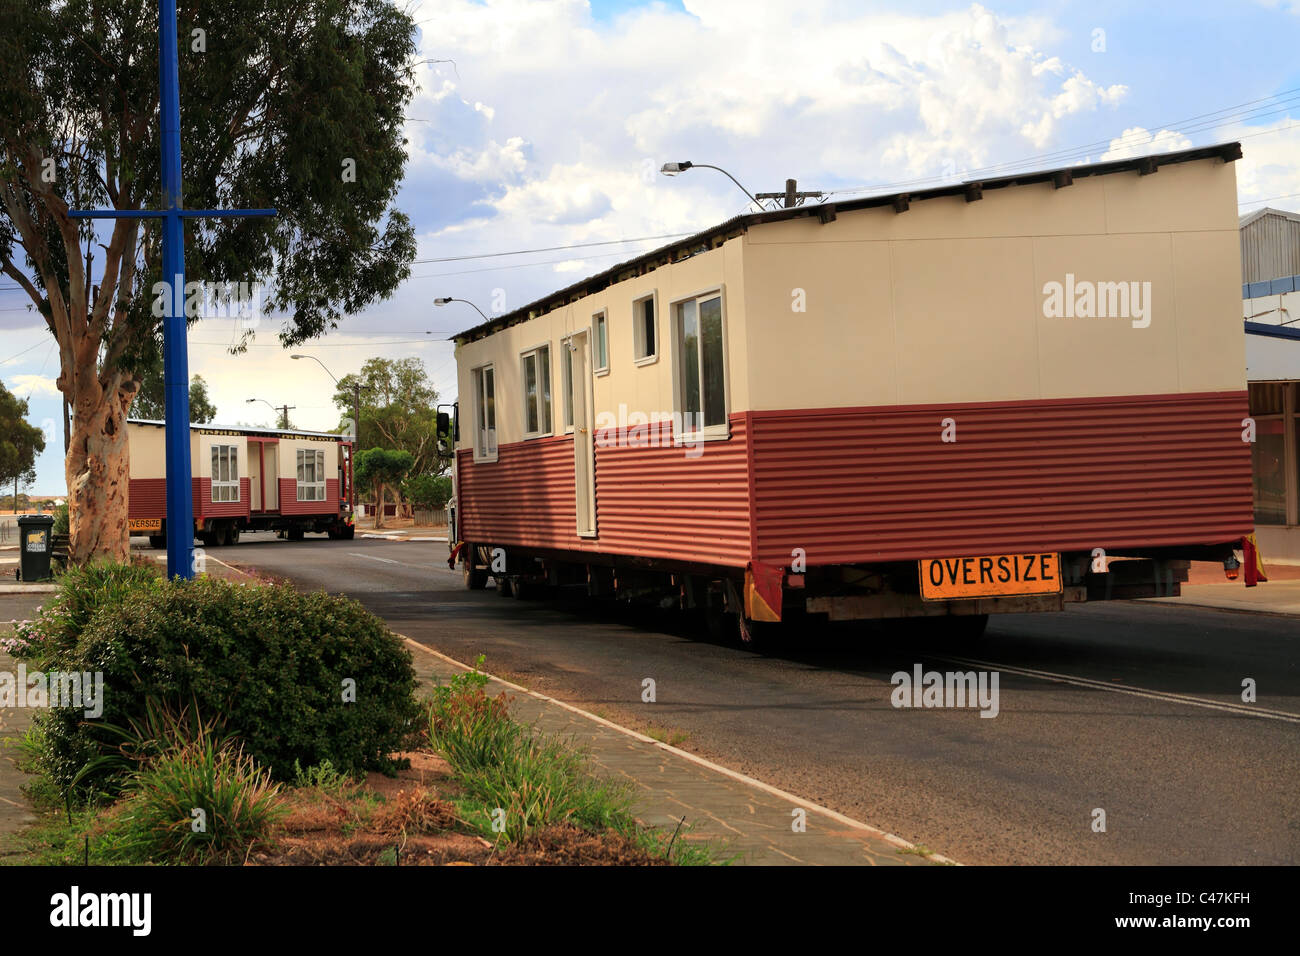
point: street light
(356, 416)
(790, 197)
(672, 169)
(443, 301)
(279, 409)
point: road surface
(1129, 708)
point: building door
(577, 398)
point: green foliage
(537, 781)
(429, 492)
(151, 400)
(235, 800)
(398, 408)
(275, 663)
(52, 636)
(323, 776)
(20, 442)
(60, 519)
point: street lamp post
(282, 410)
(790, 197)
(444, 300)
(356, 418)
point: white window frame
(545, 416)
(719, 432)
(566, 377)
(312, 489)
(599, 321)
(481, 450)
(640, 354)
(225, 489)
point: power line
(576, 245)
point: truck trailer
(988, 397)
(244, 479)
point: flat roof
(714, 236)
(241, 429)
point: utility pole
(791, 197)
(284, 415)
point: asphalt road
(1130, 708)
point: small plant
(203, 802)
(323, 776)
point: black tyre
(295, 534)
(475, 579)
(157, 541)
(503, 585)
(233, 536)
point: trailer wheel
(157, 541)
(232, 537)
(503, 585)
(475, 579)
(295, 534)
(521, 589)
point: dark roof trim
(714, 237)
(1272, 331)
(242, 429)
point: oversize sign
(995, 575)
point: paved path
(747, 821)
(15, 812)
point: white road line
(1245, 710)
(693, 758)
(358, 554)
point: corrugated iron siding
(650, 501)
(659, 502)
(877, 484)
(523, 498)
(148, 499)
(290, 505)
(1270, 248)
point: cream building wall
(944, 302)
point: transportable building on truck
(245, 479)
(986, 397)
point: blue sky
(549, 127)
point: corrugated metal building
(1270, 245)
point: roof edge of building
(715, 236)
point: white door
(577, 397)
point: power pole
(284, 415)
(791, 197)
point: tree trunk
(97, 468)
(379, 505)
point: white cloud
(1140, 142)
(27, 385)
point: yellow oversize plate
(994, 575)
(145, 524)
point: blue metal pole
(176, 371)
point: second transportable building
(948, 403)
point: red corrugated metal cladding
(652, 499)
(290, 505)
(878, 484)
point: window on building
(311, 474)
(485, 412)
(702, 387)
(225, 472)
(537, 392)
(601, 328)
(567, 349)
(643, 318)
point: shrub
(61, 525)
(235, 799)
(51, 638)
(270, 661)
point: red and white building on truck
(987, 397)
(245, 479)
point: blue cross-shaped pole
(176, 371)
